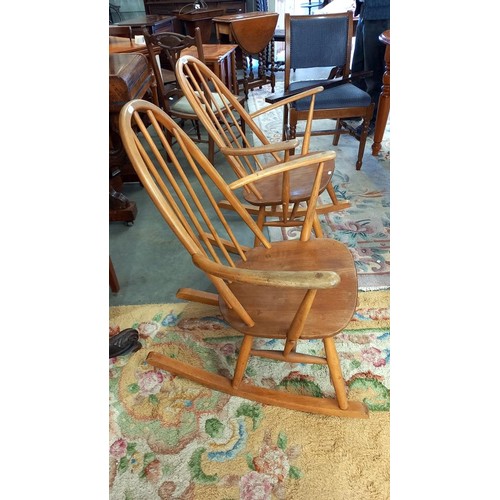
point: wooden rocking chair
(291, 290)
(276, 201)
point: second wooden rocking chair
(275, 201)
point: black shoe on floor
(125, 342)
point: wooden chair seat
(300, 185)
(183, 106)
(332, 308)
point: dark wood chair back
(169, 93)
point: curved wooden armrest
(259, 150)
(303, 161)
(312, 280)
(283, 99)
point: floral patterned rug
(365, 226)
(174, 439)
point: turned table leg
(384, 99)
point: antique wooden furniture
(324, 41)
(172, 7)
(170, 96)
(193, 18)
(278, 37)
(276, 201)
(130, 77)
(292, 291)
(221, 59)
(121, 31)
(168, 6)
(153, 23)
(121, 45)
(262, 6)
(385, 96)
(253, 32)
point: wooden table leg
(234, 75)
(384, 99)
(113, 279)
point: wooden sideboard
(199, 18)
(182, 9)
(166, 7)
(130, 77)
(154, 24)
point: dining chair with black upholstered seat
(318, 49)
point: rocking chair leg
(338, 382)
(331, 191)
(242, 361)
(260, 222)
(317, 228)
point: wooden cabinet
(130, 77)
(176, 7)
(154, 23)
(165, 7)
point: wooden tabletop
(120, 45)
(244, 15)
(146, 20)
(197, 14)
(211, 51)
